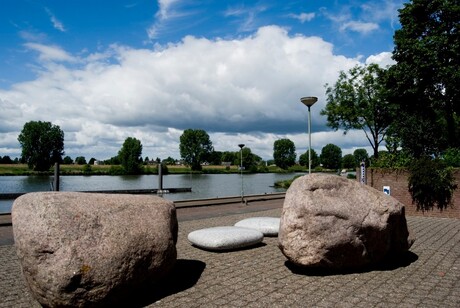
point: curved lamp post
(309, 101)
(241, 169)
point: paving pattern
(429, 276)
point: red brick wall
(397, 180)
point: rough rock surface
(81, 249)
(332, 222)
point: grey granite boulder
(332, 222)
(80, 249)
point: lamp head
(241, 145)
(309, 100)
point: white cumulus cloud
(244, 90)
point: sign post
(363, 173)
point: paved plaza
(429, 276)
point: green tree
(284, 153)
(229, 157)
(357, 101)
(67, 160)
(6, 160)
(331, 156)
(80, 160)
(42, 144)
(250, 160)
(91, 161)
(431, 183)
(215, 158)
(361, 155)
(303, 159)
(348, 162)
(424, 81)
(452, 157)
(130, 156)
(169, 161)
(195, 146)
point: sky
(149, 69)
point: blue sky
(107, 70)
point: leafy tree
(424, 81)
(431, 183)
(67, 160)
(92, 161)
(303, 159)
(6, 160)
(331, 156)
(195, 146)
(146, 160)
(169, 161)
(80, 160)
(398, 159)
(250, 160)
(42, 144)
(130, 156)
(452, 157)
(361, 155)
(112, 161)
(215, 158)
(284, 153)
(229, 157)
(357, 101)
(349, 162)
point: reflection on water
(202, 185)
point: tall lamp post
(309, 101)
(241, 169)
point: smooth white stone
(225, 238)
(269, 226)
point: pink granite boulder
(332, 222)
(81, 249)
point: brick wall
(397, 180)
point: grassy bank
(22, 169)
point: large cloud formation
(242, 90)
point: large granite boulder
(335, 223)
(81, 249)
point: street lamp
(241, 169)
(309, 101)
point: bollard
(160, 178)
(56, 177)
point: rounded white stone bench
(269, 226)
(225, 238)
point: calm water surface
(203, 185)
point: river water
(202, 185)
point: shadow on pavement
(388, 264)
(183, 276)
(233, 249)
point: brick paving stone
(259, 277)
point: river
(202, 185)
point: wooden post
(56, 177)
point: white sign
(386, 190)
